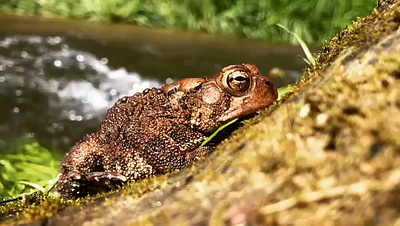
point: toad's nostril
(268, 83)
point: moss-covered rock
(328, 154)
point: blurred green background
(33, 167)
(313, 20)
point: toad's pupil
(240, 78)
(238, 83)
(237, 78)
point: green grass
(313, 20)
(284, 89)
(310, 58)
(30, 168)
(217, 131)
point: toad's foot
(75, 185)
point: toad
(160, 130)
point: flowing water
(58, 77)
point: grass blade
(217, 131)
(302, 43)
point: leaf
(217, 131)
(283, 90)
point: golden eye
(238, 81)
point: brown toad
(159, 130)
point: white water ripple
(94, 88)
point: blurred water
(80, 80)
(45, 85)
(58, 77)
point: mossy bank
(327, 154)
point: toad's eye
(237, 81)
